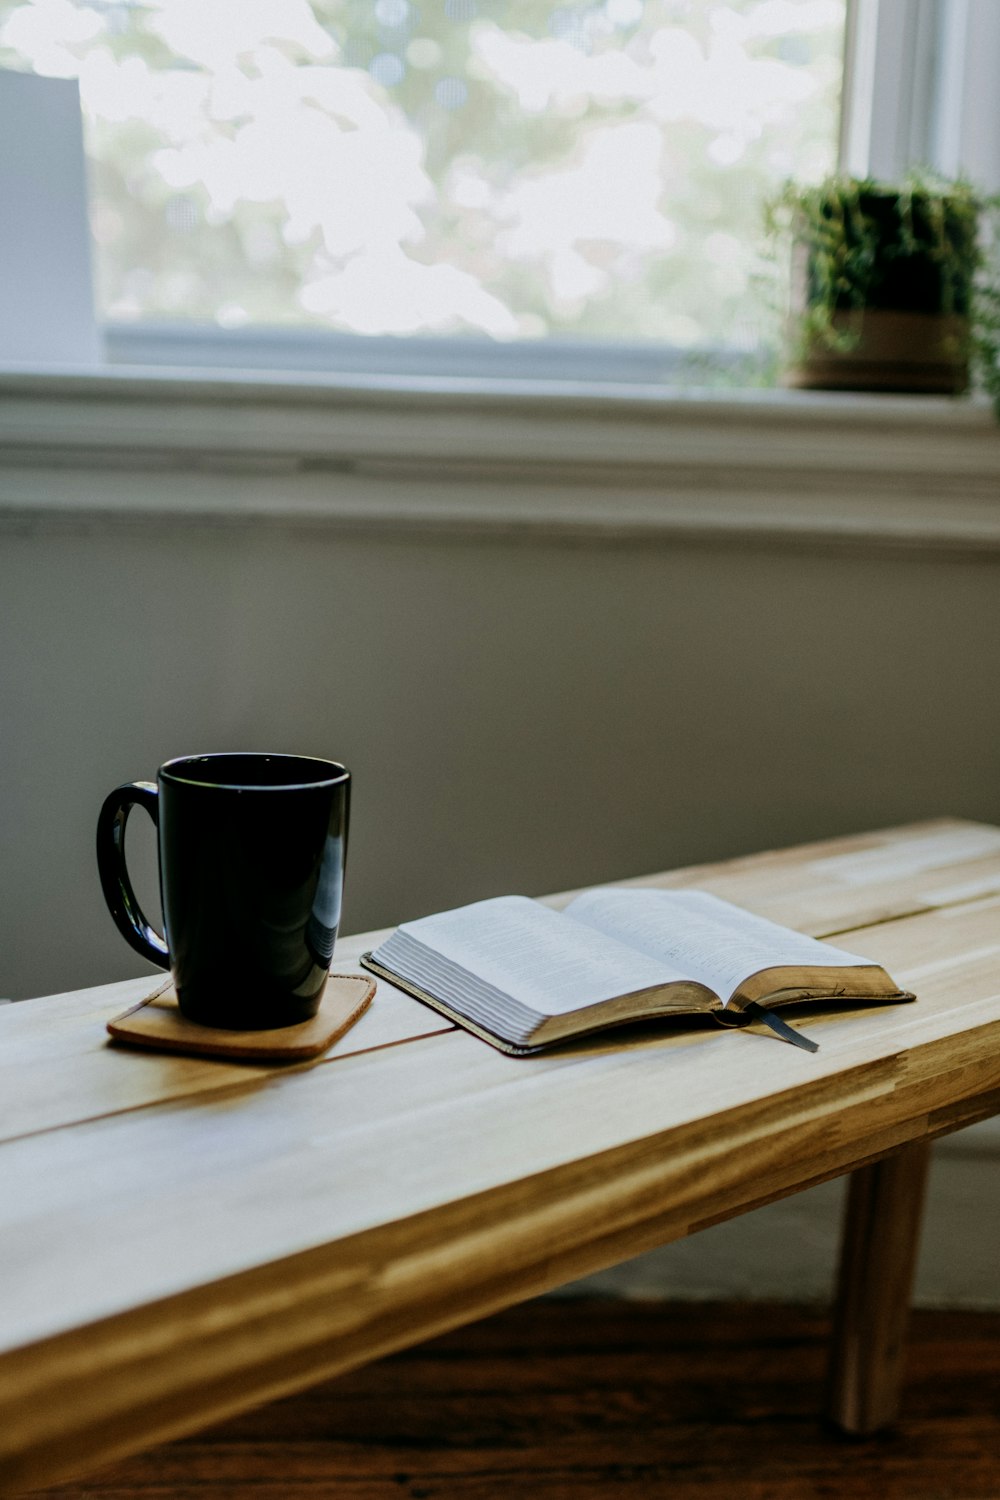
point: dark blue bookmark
(780, 1027)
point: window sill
(473, 456)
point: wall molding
(470, 458)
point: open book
(523, 976)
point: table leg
(877, 1262)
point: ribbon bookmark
(780, 1027)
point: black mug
(252, 850)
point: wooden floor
(575, 1400)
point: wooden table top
(182, 1238)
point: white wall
(517, 716)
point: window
(507, 179)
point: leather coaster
(157, 1023)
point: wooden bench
(182, 1239)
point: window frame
(918, 88)
(203, 437)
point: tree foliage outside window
(503, 167)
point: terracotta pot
(903, 339)
(895, 351)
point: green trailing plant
(985, 336)
(928, 245)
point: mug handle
(115, 882)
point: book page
(539, 957)
(709, 940)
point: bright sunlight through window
(507, 168)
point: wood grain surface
(878, 1261)
(158, 1024)
(180, 1238)
(567, 1400)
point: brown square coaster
(157, 1023)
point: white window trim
(489, 459)
(920, 89)
(302, 351)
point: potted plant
(889, 291)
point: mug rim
(171, 771)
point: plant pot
(912, 331)
(890, 351)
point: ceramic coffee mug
(252, 850)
